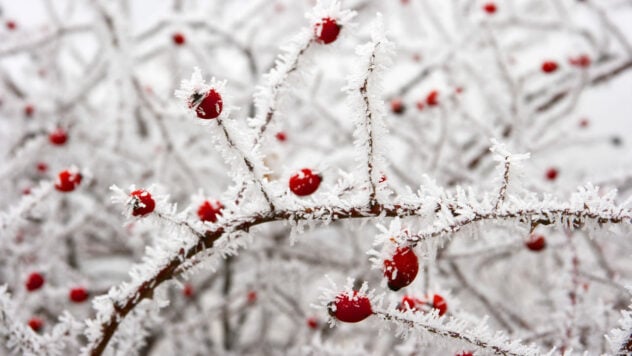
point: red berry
(305, 182)
(409, 302)
(584, 123)
(490, 8)
(551, 174)
(11, 25)
(67, 180)
(433, 98)
(312, 323)
(209, 211)
(34, 282)
(402, 269)
(327, 30)
(536, 243)
(439, 303)
(188, 290)
(78, 295)
(211, 105)
(397, 106)
(29, 110)
(36, 323)
(350, 309)
(178, 38)
(458, 90)
(281, 136)
(549, 67)
(58, 136)
(465, 353)
(252, 297)
(420, 105)
(26, 191)
(42, 167)
(434, 301)
(582, 61)
(142, 203)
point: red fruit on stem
(78, 295)
(142, 203)
(327, 30)
(312, 323)
(397, 106)
(252, 297)
(305, 182)
(433, 98)
(401, 269)
(58, 136)
(34, 281)
(583, 123)
(409, 302)
(438, 303)
(210, 106)
(551, 174)
(465, 353)
(490, 8)
(29, 110)
(350, 309)
(549, 67)
(582, 61)
(536, 243)
(188, 290)
(67, 180)
(281, 136)
(36, 323)
(209, 211)
(178, 39)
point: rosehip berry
(536, 243)
(142, 203)
(252, 297)
(433, 98)
(437, 302)
(551, 174)
(210, 106)
(582, 61)
(549, 67)
(465, 353)
(209, 211)
(305, 182)
(350, 309)
(312, 323)
(78, 295)
(490, 8)
(281, 136)
(188, 290)
(58, 136)
(29, 110)
(409, 302)
(397, 106)
(178, 39)
(584, 123)
(11, 25)
(34, 281)
(402, 269)
(67, 180)
(326, 30)
(36, 323)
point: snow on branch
(267, 94)
(620, 339)
(478, 336)
(364, 91)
